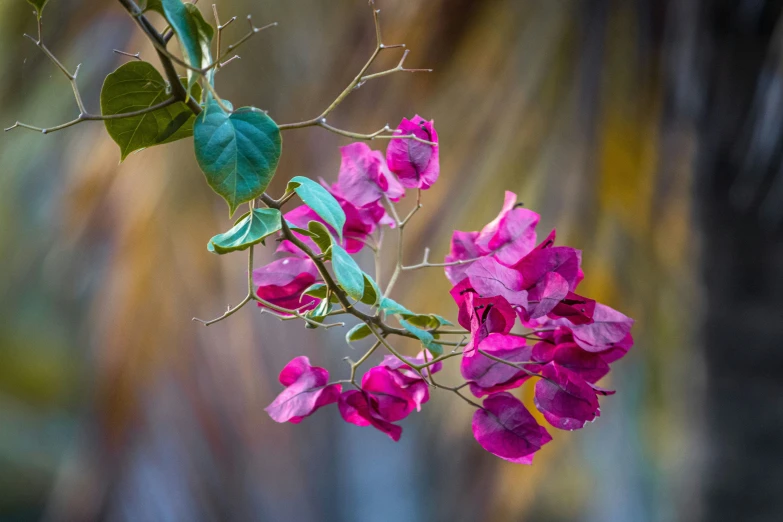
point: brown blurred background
(648, 132)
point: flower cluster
(517, 304)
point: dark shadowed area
(649, 133)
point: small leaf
(135, 86)
(390, 306)
(319, 313)
(253, 229)
(349, 275)
(426, 321)
(320, 200)
(238, 153)
(39, 6)
(318, 290)
(372, 294)
(360, 331)
(425, 337)
(320, 235)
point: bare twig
(358, 81)
(137, 56)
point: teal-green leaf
(425, 337)
(426, 321)
(390, 306)
(318, 198)
(193, 32)
(237, 152)
(318, 313)
(253, 229)
(318, 290)
(39, 6)
(135, 86)
(349, 276)
(360, 331)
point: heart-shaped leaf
(372, 294)
(252, 229)
(318, 198)
(39, 6)
(390, 306)
(135, 86)
(238, 152)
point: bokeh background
(647, 131)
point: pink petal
(537, 264)
(589, 365)
(282, 282)
(575, 308)
(505, 428)
(356, 408)
(306, 392)
(511, 235)
(546, 295)
(489, 278)
(416, 164)
(608, 328)
(567, 401)
(463, 246)
(394, 402)
(361, 180)
(488, 376)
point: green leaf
(390, 306)
(318, 290)
(238, 152)
(425, 337)
(318, 313)
(135, 86)
(360, 331)
(372, 294)
(426, 321)
(349, 276)
(193, 32)
(39, 6)
(253, 229)
(320, 235)
(318, 198)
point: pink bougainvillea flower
(576, 309)
(282, 282)
(511, 235)
(563, 261)
(505, 428)
(490, 279)
(488, 376)
(307, 390)
(567, 401)
(590, 366)
(416, 164)
(395, 401)
(463, 248)
(481, 316)
(546, 295)
(618, 350)
(364, 177)
(408, 375)
(608, 328)
(360, 408)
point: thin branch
(137, 56)
(425, 263)
(358, 81)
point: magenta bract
(488, 376)
(416, 164)
(567, 401)
(282, 282)
(463, 247)
(505, 428)
(511, 235)
(360, 409)
(307, 390)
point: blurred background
(650, 133)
